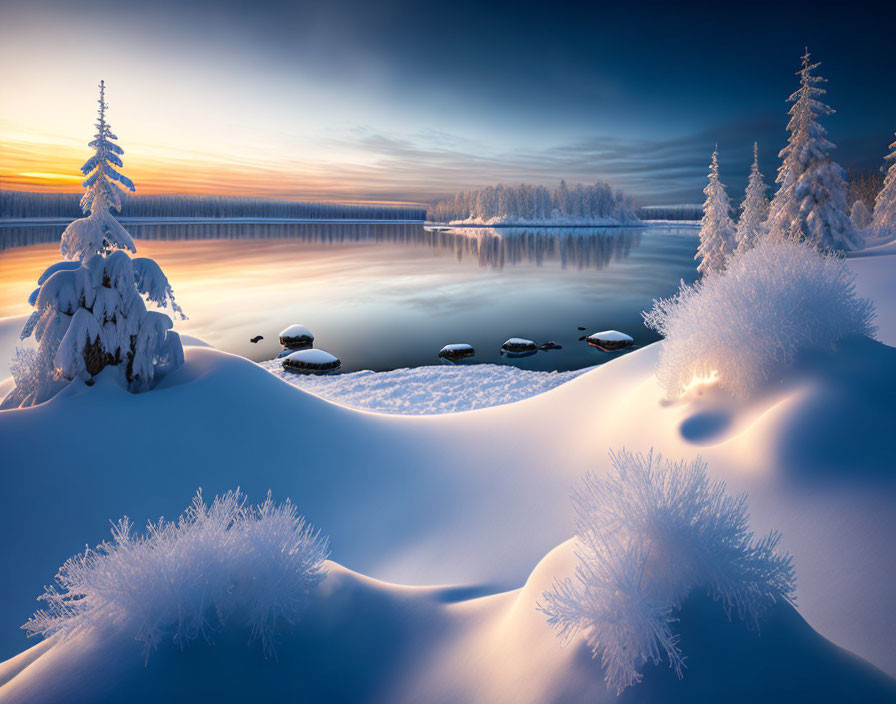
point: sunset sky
(409, 101)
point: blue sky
(403, 100)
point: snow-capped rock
(610, 340)
(311, 361)
(519, 344)
(456, 351)
(296, 337)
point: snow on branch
(228, 563)
(649, 534)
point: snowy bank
(479, 497)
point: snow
(811, 199)
(649, 535)
(518, 344)
(310, 357)
(554, 221)
(253, 562)
(361, 639)
(477, 499)
(610, 336)
(296, 331)
(747, 325)
(457, 347)
(717, 231)
(427, 390)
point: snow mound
(428, 390)
(649, 534)
(750, 322)
(183, 578)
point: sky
(411, 101)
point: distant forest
(23, 204)
(530, 204)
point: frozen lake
(384, 296)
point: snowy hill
(467, 499)
(412, 644)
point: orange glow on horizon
(45, 166)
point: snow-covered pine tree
(811, 199)
(860, 216)
(716, 228)
(754, 209)
(884, 222)
(90, 309)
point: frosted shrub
(648, 535)
(751, 321)
(218, 564)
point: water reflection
(575, 248)
(381, 296)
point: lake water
(384, 296)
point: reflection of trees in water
(580, 248)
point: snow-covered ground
(474, 498)
(426, 390)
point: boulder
(456, 352)
(610, 340)
(296, 337)
(519, 344)
(550, 345)
(311, 362)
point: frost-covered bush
(90, 309)
(220, 564)
(648, 535)
(750, 322)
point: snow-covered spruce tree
(90, 309)
(861, 218)
(716, 228)
(648, 535)
(754, 209)
(884, 222)
(811, 199)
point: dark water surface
(384, 296)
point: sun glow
(43, 175)
(700, 381)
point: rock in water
(610, 340)
(311, 362)
(519, 344)
(257, 338)
(550, 345)
(581, 327)
(296, 337)
(456, 352)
